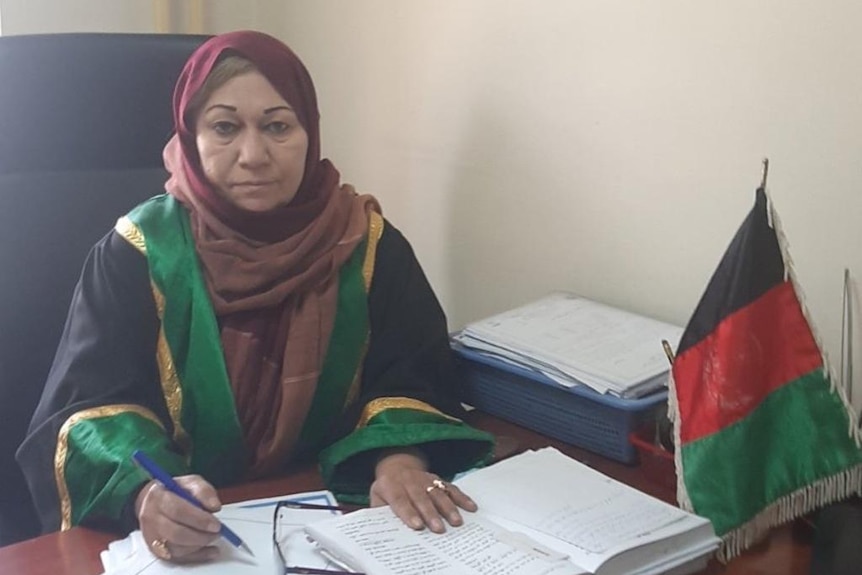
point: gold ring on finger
(437, 484)
(160, 549)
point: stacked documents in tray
(573, 340)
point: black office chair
(83, 120)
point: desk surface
(76, 552)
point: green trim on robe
(199, 361)
(210, 437)
(100, 449)
(206, 400)
(347, 466)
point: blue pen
(165, 479)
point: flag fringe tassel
(790, 507)
(790, 274)
(682, 497)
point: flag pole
(668, 351)
(765, 173)
(664, 437)
(847, 339)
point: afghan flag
(763, 432)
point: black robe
(107, 355)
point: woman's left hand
(418, 497)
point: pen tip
(247, 549)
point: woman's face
(251, 144)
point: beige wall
(608, 147)
(54, 16)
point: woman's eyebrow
(234, 108)
(276, 108)
(225, 106)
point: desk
(76, 552)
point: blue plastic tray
(577, 415)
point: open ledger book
(540, 513)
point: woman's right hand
(173, 528)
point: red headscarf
(291, 80)
(272, 277)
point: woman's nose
(253, 150)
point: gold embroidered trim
(375, 230)
(63, 449)
(353, 390)
(131, 233)
(170, 381)
(381, 404)
(167, 372)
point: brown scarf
(272, 278)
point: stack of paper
(252, 521)
(573, 340)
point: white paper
(252, 521)
(576, 504)
(540, 512)
(388, 546)
(595, 520)
(575, 340)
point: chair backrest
(83, 120)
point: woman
(259, 313)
